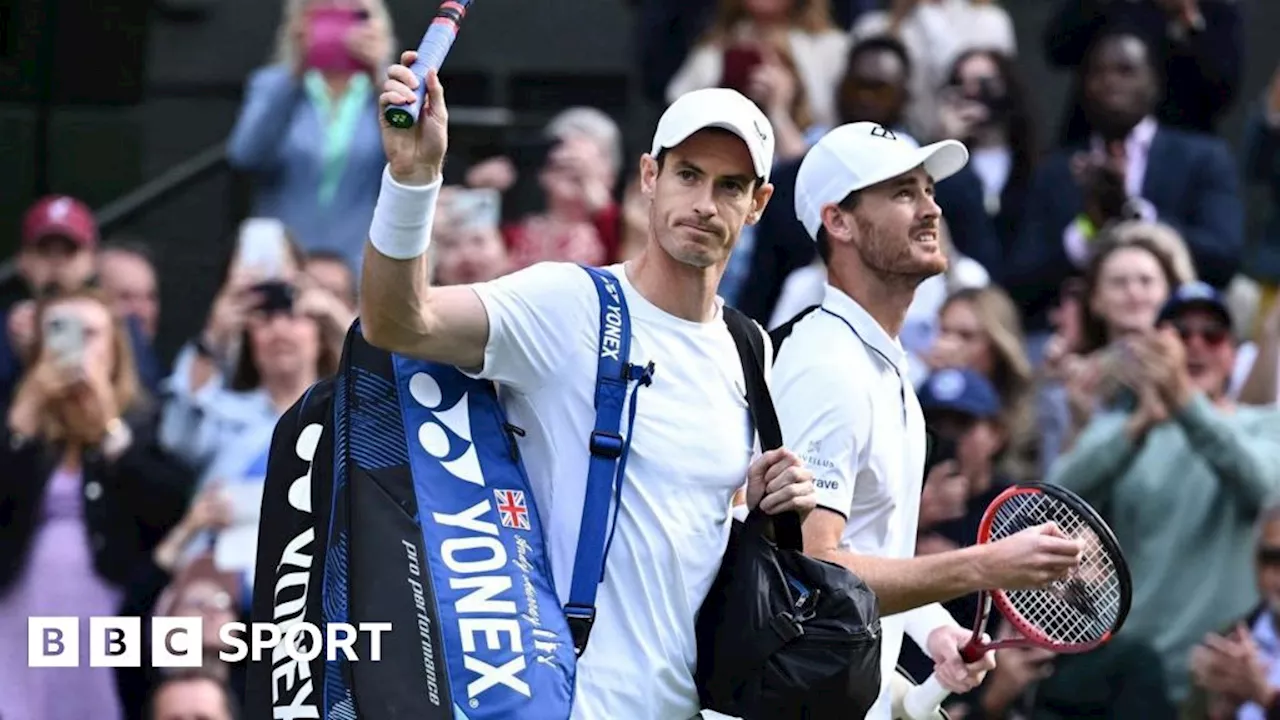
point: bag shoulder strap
(780, 334)
(609, 448)
(749, 339)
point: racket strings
(1081, 608)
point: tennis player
(535, 333)
(845, 403)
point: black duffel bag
(783, 635)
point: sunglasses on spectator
(1212, 333)
(1269, 556)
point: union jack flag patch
(512, 512)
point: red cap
(63, 216)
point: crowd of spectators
(1105, 324)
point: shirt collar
(1140, 136)
(866, 327)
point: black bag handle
(749, 339)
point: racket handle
(435, 45)
(922, 701)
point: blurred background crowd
(1109, 321)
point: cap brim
(943, 159)
(760, 164)
(1178, 307)
(59, 230)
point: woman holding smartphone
(87, 495)
(308, 129)
(786, 55)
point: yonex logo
(611, 343)
(289, 603)
(478, 562)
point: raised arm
(399, 310)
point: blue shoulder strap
(609, 449)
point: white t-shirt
(847, 407)
(692, 444)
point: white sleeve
(919, 622)
(533, 314)
(825, 419)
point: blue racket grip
(436, 43)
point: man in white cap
(845, 403)
(535, 333)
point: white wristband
(402, 219)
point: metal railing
(146, 196)
(213, 159)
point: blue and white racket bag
(395, 494)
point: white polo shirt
(847, 407)
(691, 445)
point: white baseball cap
(859, 155)
(718, 108)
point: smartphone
(941, 449)
(739, 63)
(64, 337)
(473, 208)
(263, 246)
(327, 31)
(276, 296)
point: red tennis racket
(1073, 615)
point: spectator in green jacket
(1181, 473)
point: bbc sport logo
(176, 642)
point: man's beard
(892, 259)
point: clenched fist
(414, 154)
(778, 481)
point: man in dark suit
(1197, 44)
(1130, 167)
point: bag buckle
(606, 444)
(786, 626)
(580, 619)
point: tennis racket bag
(414, 509)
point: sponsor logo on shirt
(812, 457)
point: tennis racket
(431, 53)
(1073, 615)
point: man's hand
(1102, 178)
(1231, 666)
(1163, 358)
(953, 672)
(415, 154)
(1030, 559)
(778, 481)
(1151, 411)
